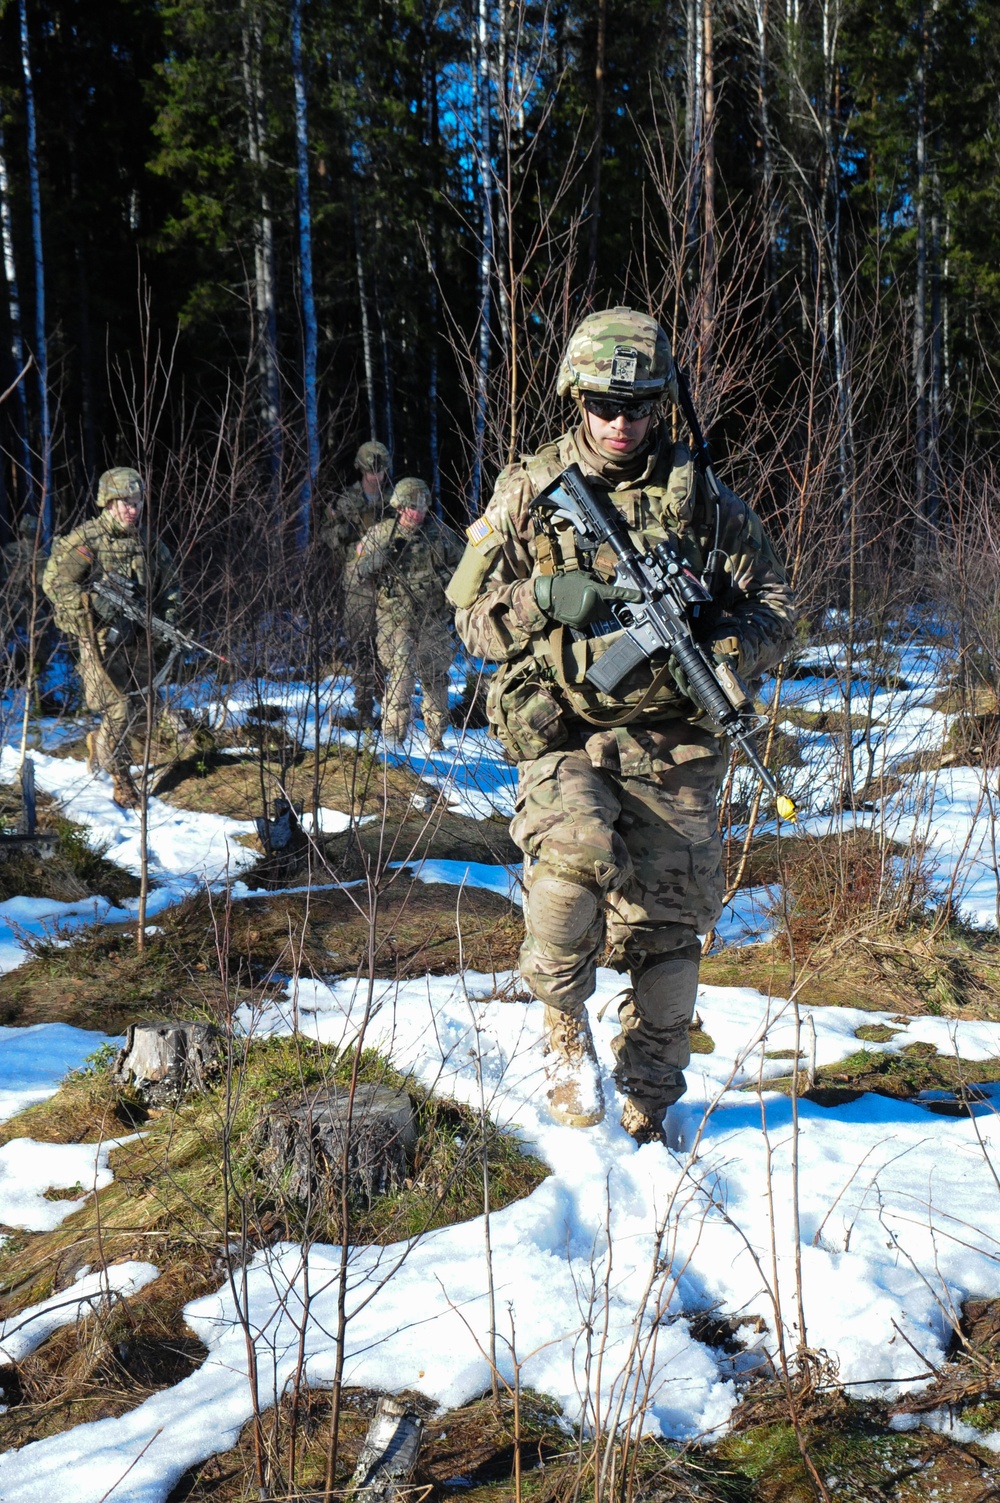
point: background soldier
(348, 517)
(114, 664)
(409, 560)
(616, 807)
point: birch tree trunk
(366, 328)
(695, 120)
(708, 265)
(760, 18)
(266, 331)
(484, 173)
(41, 348)
(920, 283)
(14, 314)
(306, 275)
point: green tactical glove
(577, 598)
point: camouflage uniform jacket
(98, 547)
(540, 697)
(410, 570)
(348, 517)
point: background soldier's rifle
(114, 591)
(661, 622)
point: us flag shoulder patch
(478, 532)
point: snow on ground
(897, 1220)
(28, 1169)
(22, 1333)
(897, 1227)
(184, 847)
(35, 1059)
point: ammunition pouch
(523, 711)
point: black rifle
(661, 622)
(115, 592)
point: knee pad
(666, 990)
(561, 912)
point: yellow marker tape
(786, 808)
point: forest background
(254, 235)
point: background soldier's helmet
(411, 492)
(118, 485)
(372, 458)
(618, 353)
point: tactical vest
(534, 700)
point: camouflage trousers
(633, 862)
(408, 651)
(113, 688)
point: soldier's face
(411, 517)
(373, 483)
(126, 510)
(620, 437)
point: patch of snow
(28, 1169)
(33, 1061)
(20, 1334)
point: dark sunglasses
(608, 408)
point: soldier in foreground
(114, 663)
(348, 517)
(408, 561)
(616, 805)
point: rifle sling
(557, 643)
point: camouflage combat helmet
(372, 457)
(118, 485)
(411, 492)
(619, 352)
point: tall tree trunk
(433, 123)
(266, 331)
(769, 179)
(504, 203)
(920, 283)
(709, 269)
(387, 384)
(934, 469)
(306, 273)
(597, 145)
(484, 166)
(41, 346)
(695, 122)
(366, 328)
(16, 333)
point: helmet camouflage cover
(411, 492)
(118, 485)
(619, 352)
(372, 457)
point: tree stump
(163, 1062)
(388, 1456)
(307, 1136)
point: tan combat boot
(640, 1125)
(574, 1092)
(126, 794)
